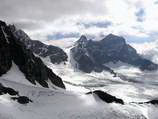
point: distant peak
(114, 38)
(82, 41)
(83, 38)
(12, 27)
(2, 23)
(111, 34)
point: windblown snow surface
(132, 86)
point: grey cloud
(100, 24)
(47, 10)
(156, 2)
(29, 25)
(58, 36)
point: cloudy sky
(136, 20)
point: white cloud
(148, 50)
(120, 12)
(63, 16)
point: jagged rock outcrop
(22, 99)
(89, 55)
(56, 54)
(14, 50)
(11, 92)
(106, 97)
(153, 102)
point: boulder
(10, 91)
(154, 102)
(106, 97)
(22, 99)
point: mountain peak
(2, 23)
(111, 38)
(82, 42)
(13, 50)
(56, 54)
(83, 38)
(111, 35)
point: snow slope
(133, 85)
(14, 74)
(59, 104)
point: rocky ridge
(12, 49)
(89, 55)
(56, 54)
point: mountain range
(90, 55)
(29, 88)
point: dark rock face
(91, 55)
(5, 55)
(56, 54)
(83, 60)
(22, 99)
(7, 90)
(32, 67)
(10, 91)
(107, 97)
(154, 102)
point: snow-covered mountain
(13, 51)
(87, 96)
(89, 55)
(131, 84)
(54, 53)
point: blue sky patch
(59, 36)
(140, 15)
(99, 24)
